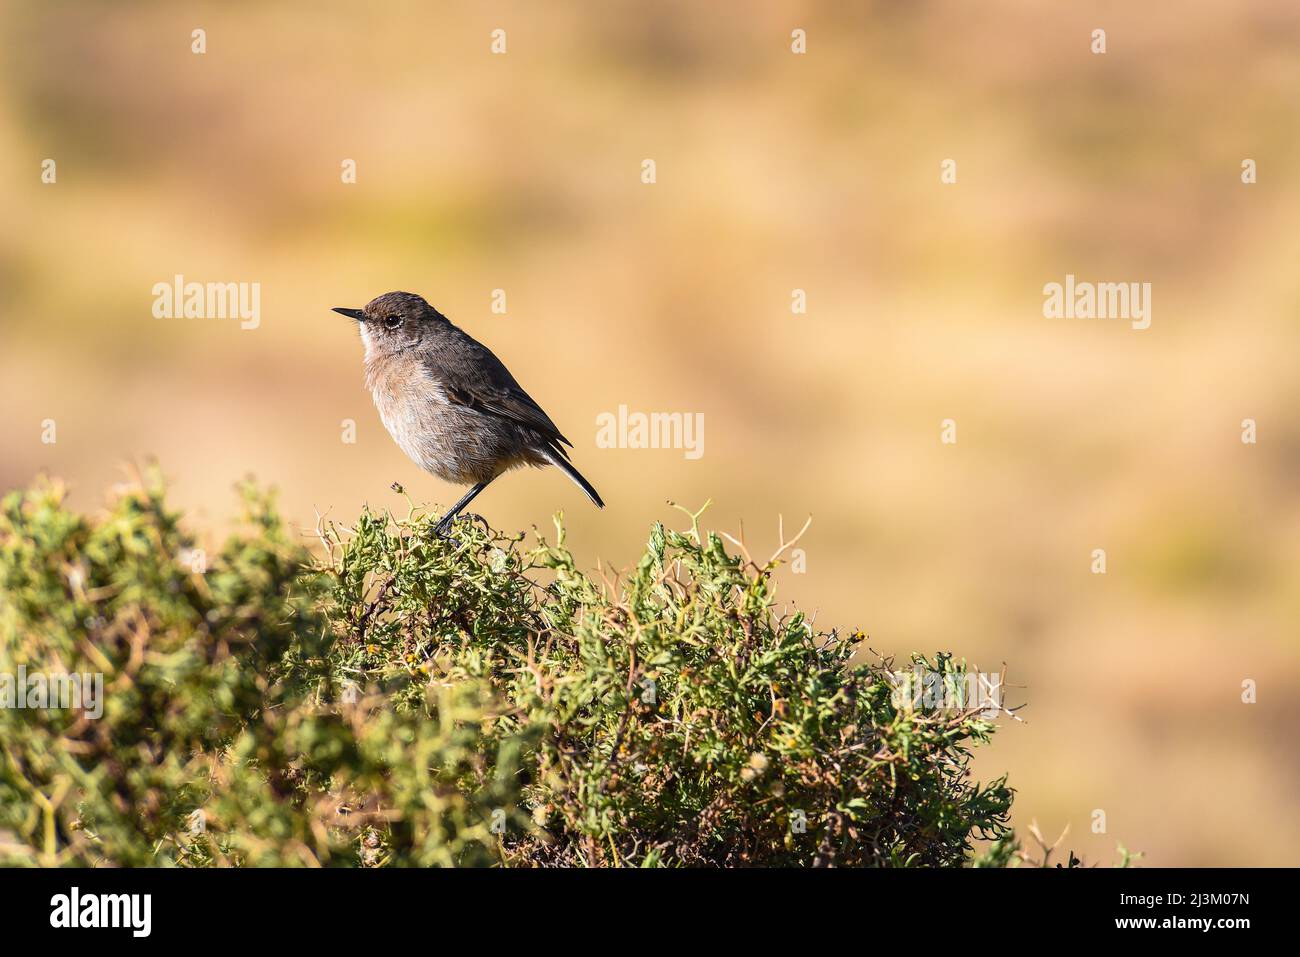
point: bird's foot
(443, 528)
(476, 517)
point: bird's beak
(356, 314)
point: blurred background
(775, 172)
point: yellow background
(775, 172)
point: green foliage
(404, 699)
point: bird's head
(394, 321)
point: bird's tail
(561, 461)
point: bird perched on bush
(449, 403)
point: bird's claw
(443, 528)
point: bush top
(398, 698)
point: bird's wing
(475, 378)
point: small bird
(449, 403)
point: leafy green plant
(398, 698)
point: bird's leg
(445, 522)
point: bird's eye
(393, 321)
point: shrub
(397, 698)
